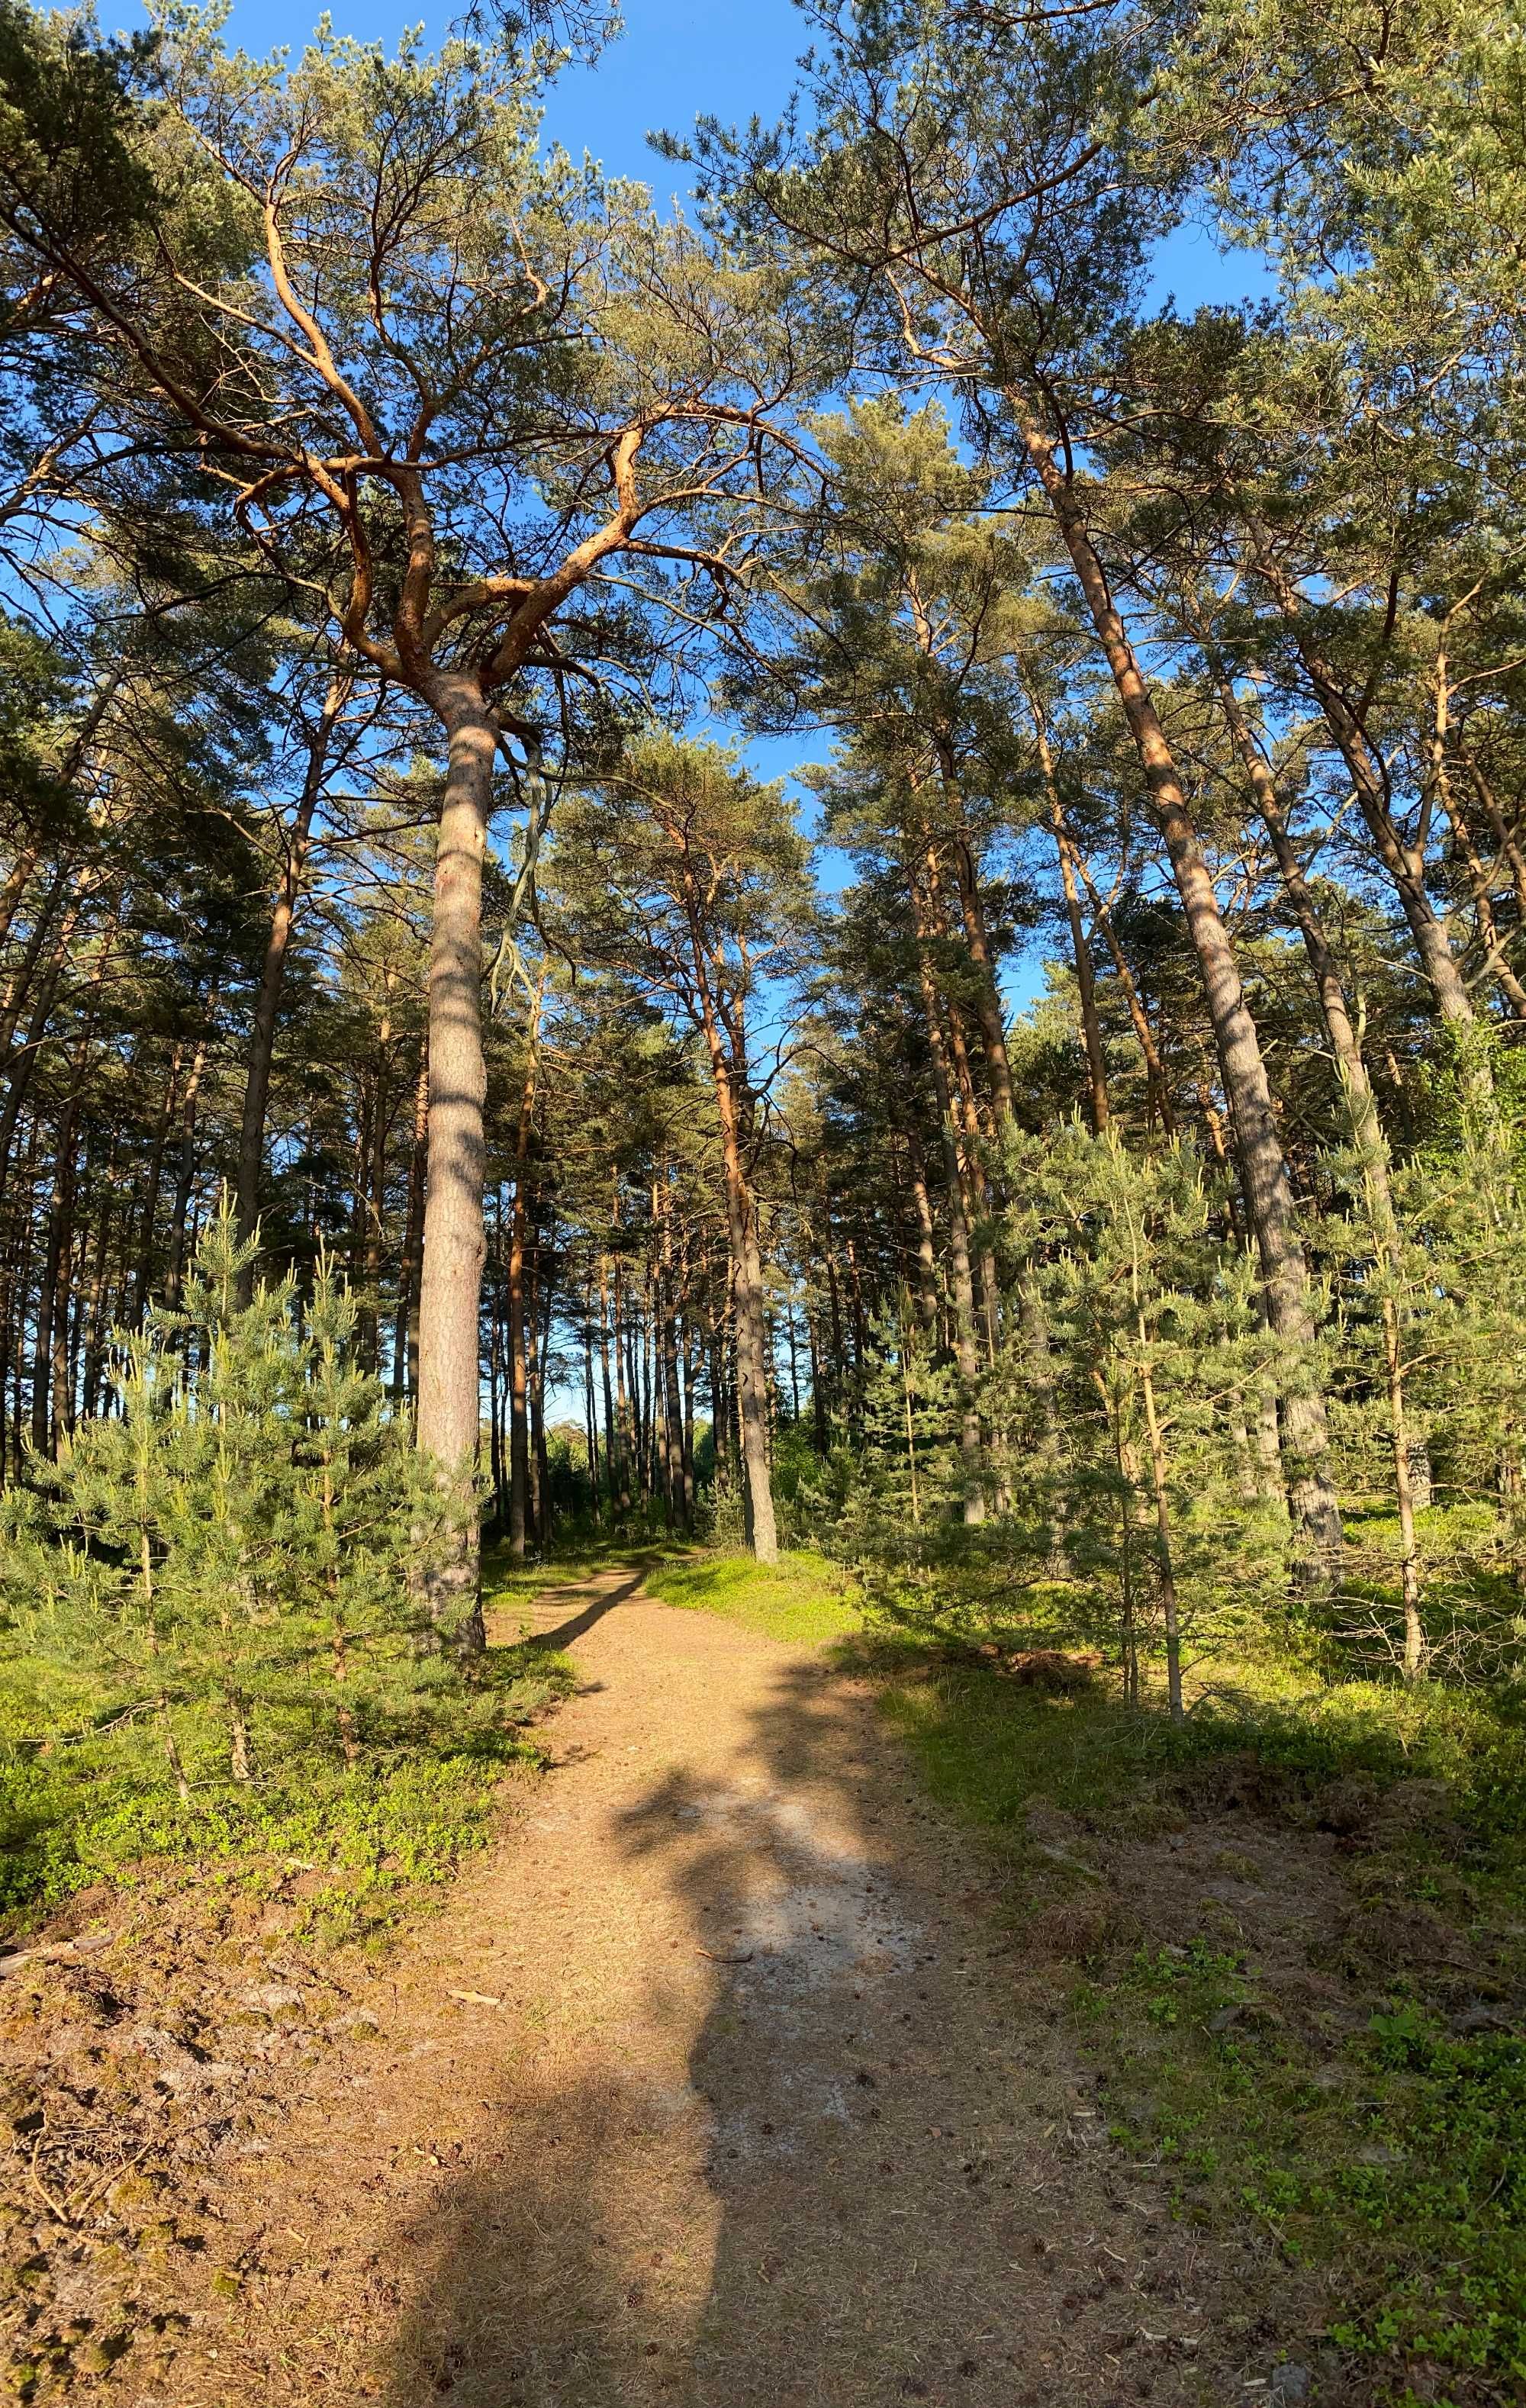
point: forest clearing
(763, 1205)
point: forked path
(757, 2118)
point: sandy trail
(758, 2120)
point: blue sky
(732, 59)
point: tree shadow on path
(812, 2154)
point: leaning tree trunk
(1356, 1088)
(1403, 862)
(1268, 1188)
(451, 1289)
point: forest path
(759, 2117)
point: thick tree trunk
(1267, 1187)
(451, 1290)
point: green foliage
(214, 1649)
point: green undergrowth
(1391, 2167)
(1374, 2150)
(365, 1839)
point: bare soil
(716, 2084)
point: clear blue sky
(677, 59)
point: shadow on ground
(837, 2187)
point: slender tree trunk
(960, 1279)
(926, 1254)
(987, 994)
(1086, 984)
(498, 1356)
(1268, 1187)
(624, 1433)
(19, 984)
(1165, 1564)
(612, 1435)
(672, 1396)
(1351, 1068)
(405, 1365)
(519, 1451)
(747, 1270)
(1510, 852)
(59, 1207)
(262, 1040)
(590, 1416)
(151, 1199)
(1155, 1068)
(1404, 1491)
(185, 1179)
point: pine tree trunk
(1166, 1569)
(611, 1437)
(960, 1279)
(1405, 862)
(1440, 784)
(518, 1453)
(1155, 1068)
(405, 1365)
(44, 1432)
(926, 1253)
(747, 1274)
(1267, 1185)
(185, 1179)
(1092, 1032)
(451, 1290)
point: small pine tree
(230, 1545)
(1130, 1377)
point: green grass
(800, 1601)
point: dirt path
(760, 2119)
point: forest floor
(732, 2073)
